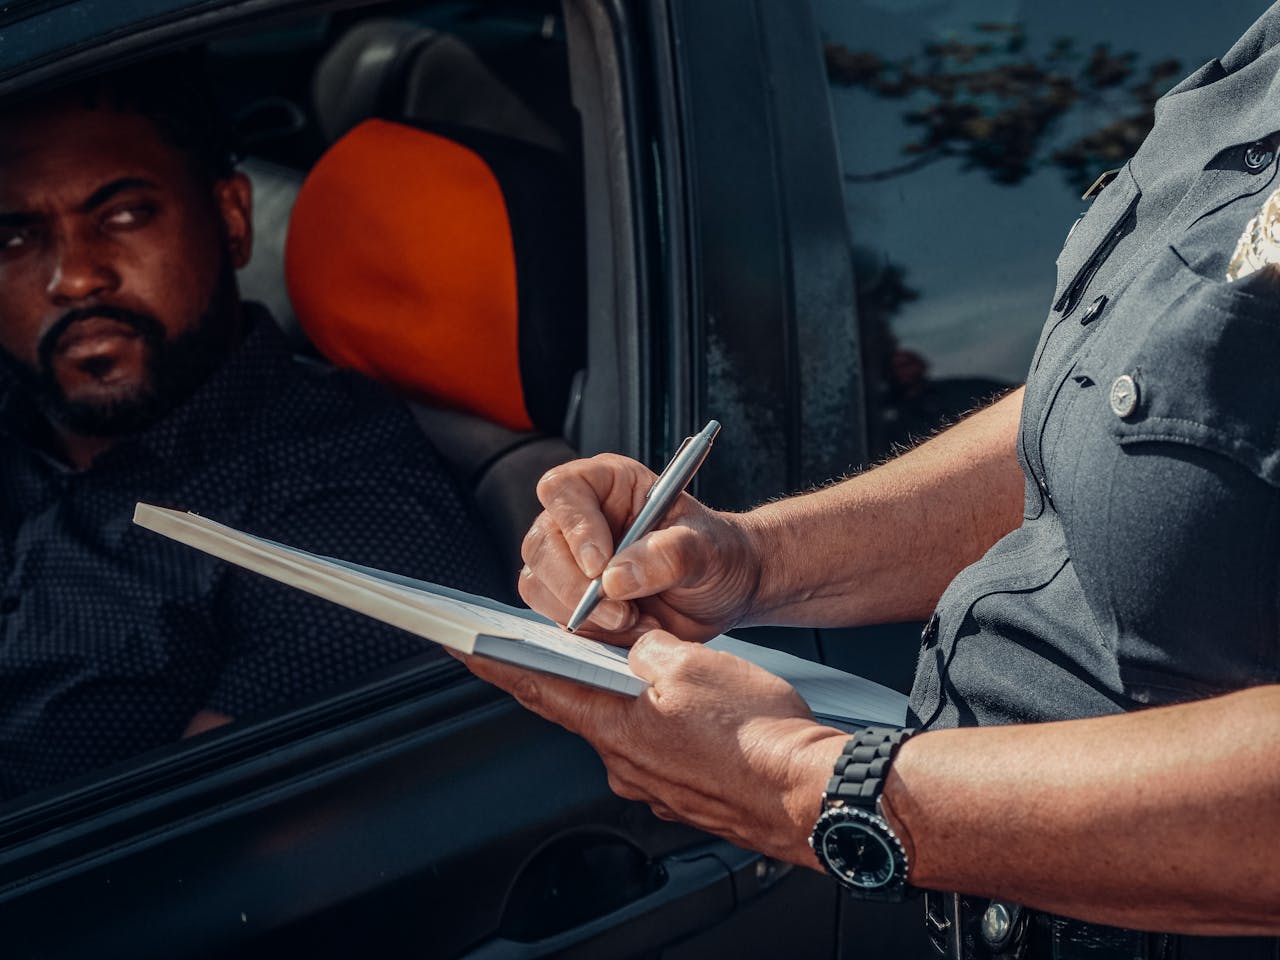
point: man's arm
(883, 546)
(1164, 819)
(878, 547)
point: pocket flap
(1206, 375)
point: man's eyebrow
(109, 190)
(17, 219)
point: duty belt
(971, 928)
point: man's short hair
(175, 94)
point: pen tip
(585, 606)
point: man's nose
(82, 269)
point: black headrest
(548, 225)
(397, 70)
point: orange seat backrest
(400, 264)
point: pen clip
(675, 458)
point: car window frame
(188, 770)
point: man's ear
(234, 197)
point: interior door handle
(698, 892)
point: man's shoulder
(320, 433)
(297, 390)
(326, 434)
(315, 403)
(306, 432)
(1257, 40)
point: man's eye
(131, 216)
(14, 240)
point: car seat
(448, 264)
(275, 187)
(397, 69)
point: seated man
(130, 370)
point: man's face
(117, 290)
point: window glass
(968, 131)
(199, 372)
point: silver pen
(664, 492)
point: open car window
(483, 87)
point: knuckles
(680, 661)
(549, 484)
(622, 788)
(525, 689)
(531, 545)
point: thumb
(660, 657)
(656, 563)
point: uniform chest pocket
(1093, 238)
(1203, 374)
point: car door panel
(425, 813)
(408, 829)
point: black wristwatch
(851, 838)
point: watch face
(857, 852)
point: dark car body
(422, 812)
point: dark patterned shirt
(112, 638)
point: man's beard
(175, 367)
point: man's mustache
(148, 327)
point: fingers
(671, 801)
(572, 540)
(552, 583)
(659, 656)
(683, 675)
(588, 500)
(583, 710)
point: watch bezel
(896, 886)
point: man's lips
(93, 336)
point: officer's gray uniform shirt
(1145, 571)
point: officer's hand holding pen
(669, 485)
(691, 574)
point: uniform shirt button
(1124, 396)
(929, 635)
(1258, 156)
(1093, 312)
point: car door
(421, 812)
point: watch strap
(862, 766)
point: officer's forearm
(1166, 819)
(883, 546)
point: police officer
(1095, 716)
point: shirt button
(1124, 396)
(929, 635)
(1093, 312)
(1043, 484)
(1258, 156)
(8, 605)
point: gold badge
(1259, 246)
